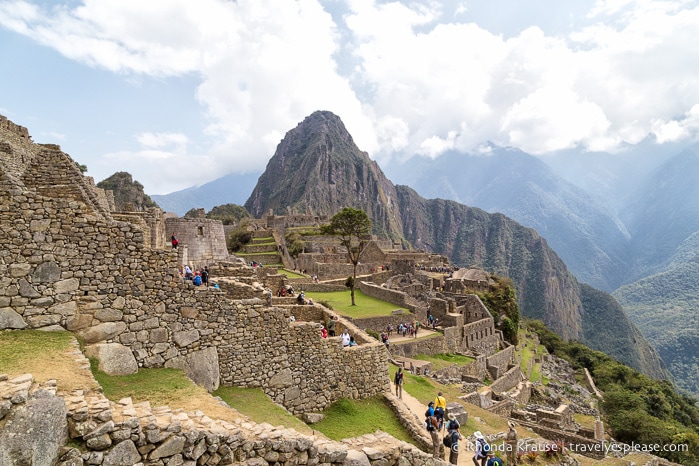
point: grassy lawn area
(45, 355)
(256, 405)
(291, 273)
(351, 418)
(366, 306)
(162, 387)
(440, 361)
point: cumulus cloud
(406, 78)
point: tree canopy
(353, 227)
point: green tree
(239, 237)
(501, 300)
(294, 243)
(229, 214)
(353, 227)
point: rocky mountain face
(318, 169)
(128, 194)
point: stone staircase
(263, 249)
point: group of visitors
(301, 299)
(197, 277)
(405, 328)
(434, 423)
(328, 330)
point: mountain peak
(318, 169)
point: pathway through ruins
(418, 408)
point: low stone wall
(384, 294)
(380, 324)
(411, 423)
(39, 423)
(409, 349)
(509, 380)
(502, 408)
(476, 370)
(499, 362)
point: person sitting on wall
(301, 298)
(197, 279)
(187, 273)
(352, 341)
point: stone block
(114, 359)
(48, 272)
(185, 338)
(102, 332)
(10, 319)
(18, 270)
(67, 286)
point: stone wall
(204, 238)
(509, 380)
(499, 362)
(67, 264)
(127, 433)
(384, 294)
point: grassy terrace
(440, 361)
(366, 306)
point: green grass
(291, 273)
(442, 360)
(21, 347)
(255, 404)
(154, 385)
(366, 306)
(351, 418)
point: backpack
(197, 280)
(485, 448)
(430, 422)
(447, 441)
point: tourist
(432, 426)
(430, 409)
(482, 448)
(174, 241)
(205, 277)
(398, 381)
(187, 273)
(301, 299)
(345, 338)
(323, 332)
(493, 459)
(453, 424)
(511, 439)
(331, 326)
(440, 405)
(455, 436)
(353, 342)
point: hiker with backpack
(493, 459)
(482, 449)
(451, 441)
(398, 382)
(432, 426)
(440, 404)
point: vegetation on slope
(128, 193)
(501, 302)
(665, 307)
(636, 408)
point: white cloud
(405, 78)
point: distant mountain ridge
(318, 169)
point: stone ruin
(68, 262)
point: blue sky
(179, 93)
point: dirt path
(418, 408)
